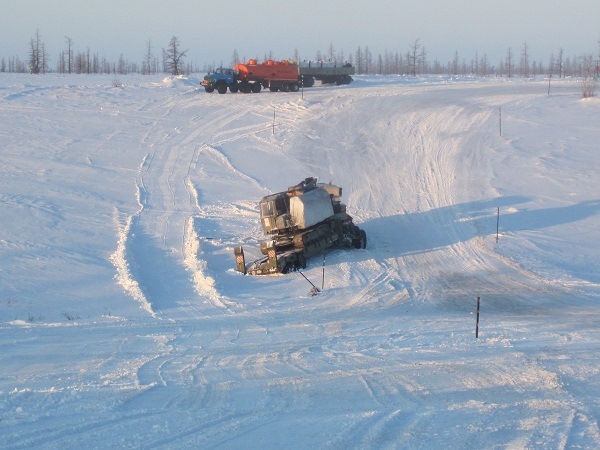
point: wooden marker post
(497, 224)
(477, 320)
(323, 280)
(500, 119)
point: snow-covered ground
(124, 324)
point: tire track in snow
(120, 260)
(159, 218)
(203, 283)
(165, 168)
(222, 159)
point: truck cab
(220, 79)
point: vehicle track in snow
(168, 206)
(435, 155)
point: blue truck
(220, 79)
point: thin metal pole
(309, 281)
(323, 281)
(497, 224)
(500, 119)
(477, 322)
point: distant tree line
(412, 61)
(87, 62)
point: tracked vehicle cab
(274, 213)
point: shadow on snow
(442, 227)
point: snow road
(124, 324)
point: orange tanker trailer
(274, 75)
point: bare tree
(235, 58)
(359, 61)
(80, 63)
(266, 57)
(423, 59)
(368, 60)
(485, 65)
(44, 58)
(331, 52)
(61, 65)
(122, 65)
(149, 63)
(414, 56)
(96, 63)
(69, 42)
(551, 64)
(509, 62)
(173, 57)
(455, 63)
(88, 61)
(38, 62)
(588, 84)
(559, 62)
(524, 65)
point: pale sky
(211, 30)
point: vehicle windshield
(267, 208)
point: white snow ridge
(204, 284)
(123, 276)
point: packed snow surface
(124, 324)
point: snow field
(124, 324)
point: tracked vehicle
(301, 222)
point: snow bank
(120, 260)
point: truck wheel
(245, 87)
(363, 239)
(222, 88)
(209, 89)
(273, 88)
(233, 88)
(256, 87)
(285, 88)
(294, 87)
